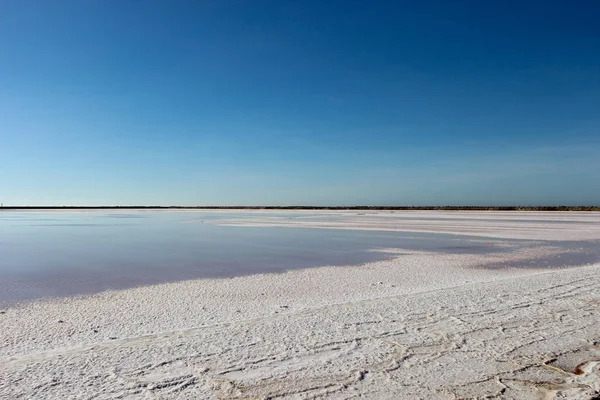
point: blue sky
(299, 102)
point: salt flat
(422, 324)
(498, 224)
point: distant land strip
(358, 208)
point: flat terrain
(423, 324)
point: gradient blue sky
(299, 102)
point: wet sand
(421, 325)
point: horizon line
(308, 207)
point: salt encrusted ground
(498, 224)
(424, 325)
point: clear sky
(328, 102)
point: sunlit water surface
(60, 253)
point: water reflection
(66, 253)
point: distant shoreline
(341, 208)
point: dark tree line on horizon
(362, 208)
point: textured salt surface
(517, 338)
(423, 325)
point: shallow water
(68, 253)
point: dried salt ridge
(424, 325)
